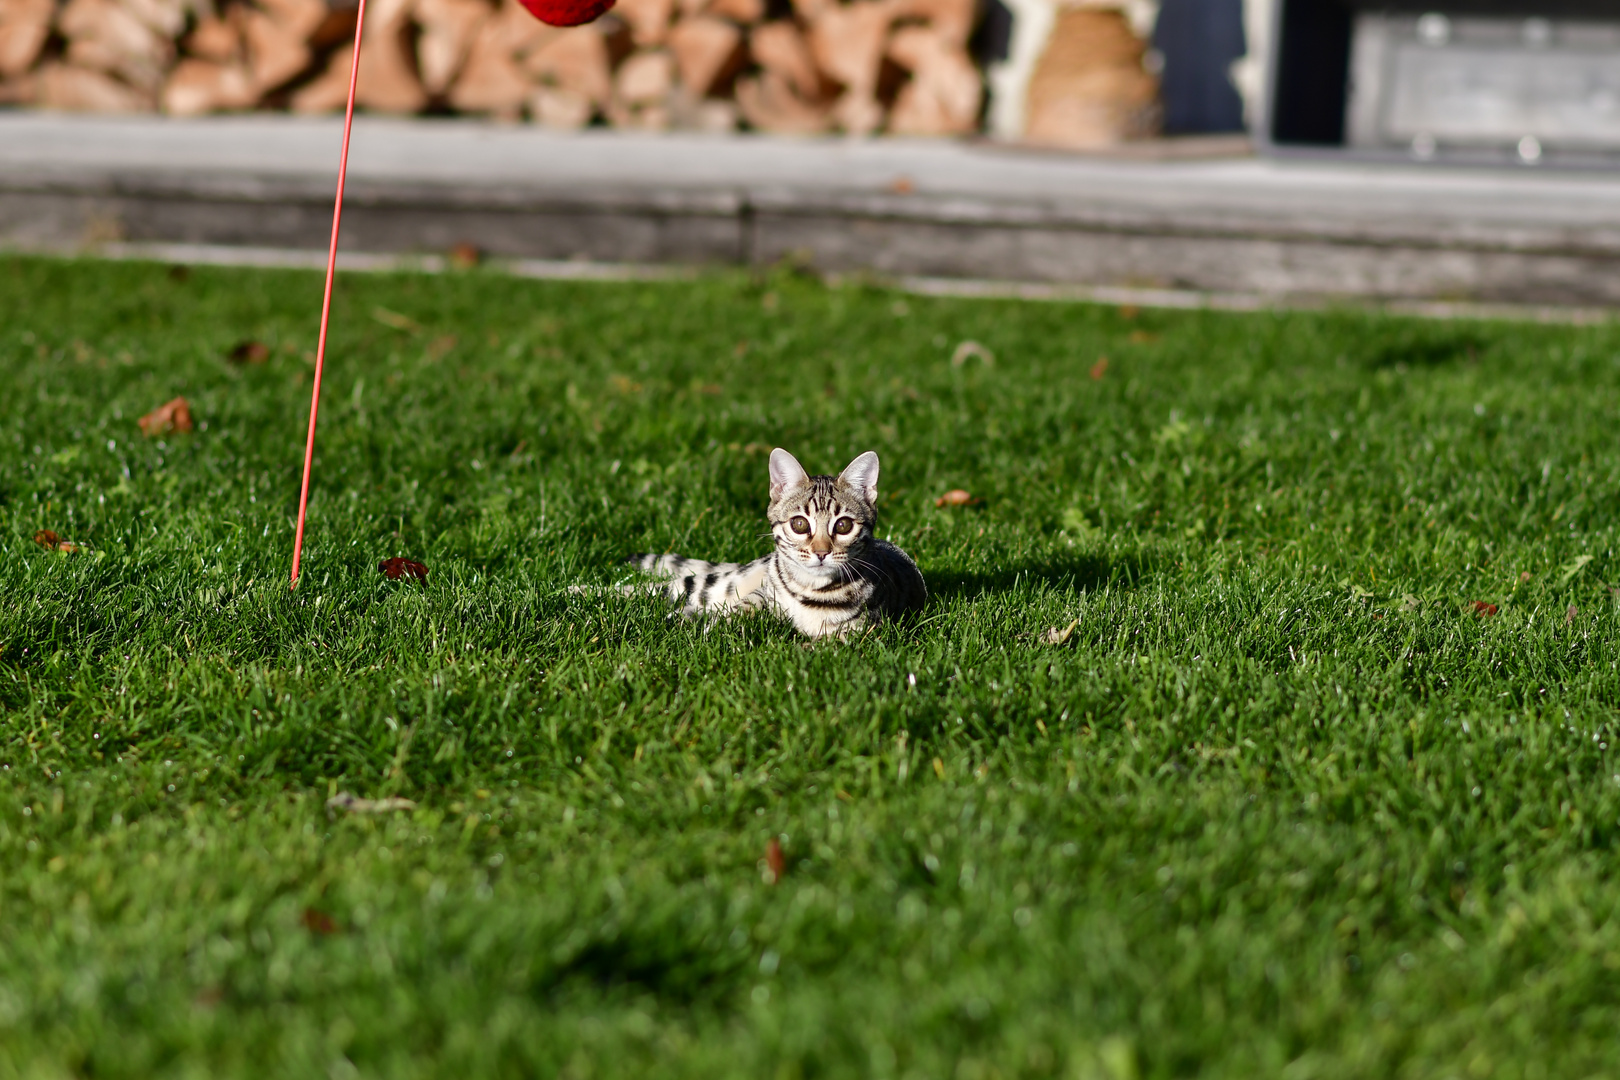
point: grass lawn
(1284, 803)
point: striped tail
(700, 586)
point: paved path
(892, 206)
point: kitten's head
(821, 522)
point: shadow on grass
(668, 966)
(1425, 345)
(1075, 571)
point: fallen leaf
(969, 350)
(172, 415)
(1484, 610)
(1099, 369)
(440, 345)
(711, 389)
(1410, 603)
(956, 497)
(1524, 576)
(1128, 311)
(775, 862)
(356, 805)
(1054, 636)
(624, 384)
(396, 320)
(1143, 337)
(465, 256)
(902, 185)
(1570, 613)
(248, 352)
(397, 567)
(318, 922)
(48, 540)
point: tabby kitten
(828, 574)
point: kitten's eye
(800, 525)
(844, 527)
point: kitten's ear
(786, 472)
(862, 474)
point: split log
(768, 103)
(196, 87)
(559, 109)
(521, 32)
(22, 90)
(105, 36)
(780, 48)
(707, 50)
(301, 17)
(951, 19)
(945, 90)
(75, 89)
(644, 79)
(328, 91)
(577, 61)
(388, 80)
(448, 28)
(648, 20)
(745, 12)
(491, 81)
(688, 112)
(1089, 88)
(214, 39)
(276, 53)
(24, 27)
(167, 17)
(847, 42)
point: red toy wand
(554, 12)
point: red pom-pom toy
(566, 12)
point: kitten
(828, 574)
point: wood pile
(856, 66)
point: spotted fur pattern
(828, 575)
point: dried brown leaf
(956, 497)
(1099, 369)
(318, 922)
(249, 352)
(775, 862)
(174, 415)
(398, 567)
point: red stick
(326, 302)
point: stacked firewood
(857, 66)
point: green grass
(1282, 805)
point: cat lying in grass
(828, 575)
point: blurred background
(1445, 149)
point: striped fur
(828, 575)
